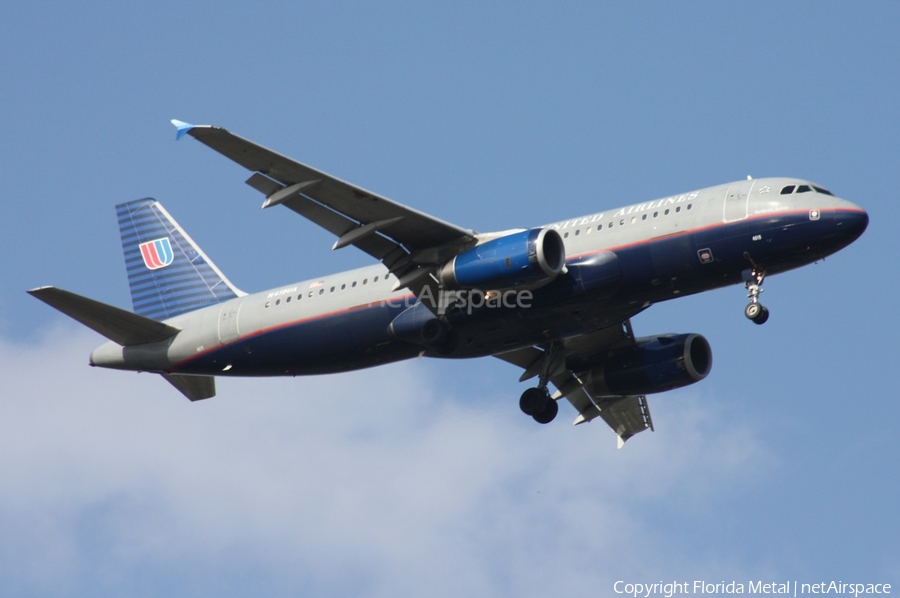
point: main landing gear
(753, 280)
(537, 403)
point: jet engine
(655, 364)
(419, 326)
(523, 259)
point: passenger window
(321, 291)
(690, 206)
(577, 232)
(354, 284)
(278, 302)
(678, 209)
(365, 280)
(288, 300)
(644, 217)
(655, 214)
(267, 304)
(599, 226)
(375, 279)
(787, 190)
(566, 236)
(343, 286)
(666, 213)
(804, 189)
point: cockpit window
(804, 189)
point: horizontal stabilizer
(116, 324)
(195, 388)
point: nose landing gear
(753, 280)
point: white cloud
(373, 482)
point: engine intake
(527, 258)
(656, 364)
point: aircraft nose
(851, 221)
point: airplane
(554, 300)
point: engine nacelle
(419, 326)
(656, 364)
(523, 259)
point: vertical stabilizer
(168, 274)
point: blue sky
(423, 478)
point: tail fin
(168, 274)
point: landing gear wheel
(752, 310)
(548, 414)
(756, 313)
(534, 401)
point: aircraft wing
(626, 415)
(400, 237)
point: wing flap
(627, 416)
(263, 184)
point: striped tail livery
(168, 274)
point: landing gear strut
(753, 280)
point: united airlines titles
(627, 211)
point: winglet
(182, 127)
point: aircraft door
(228, 321)
(737, 199)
